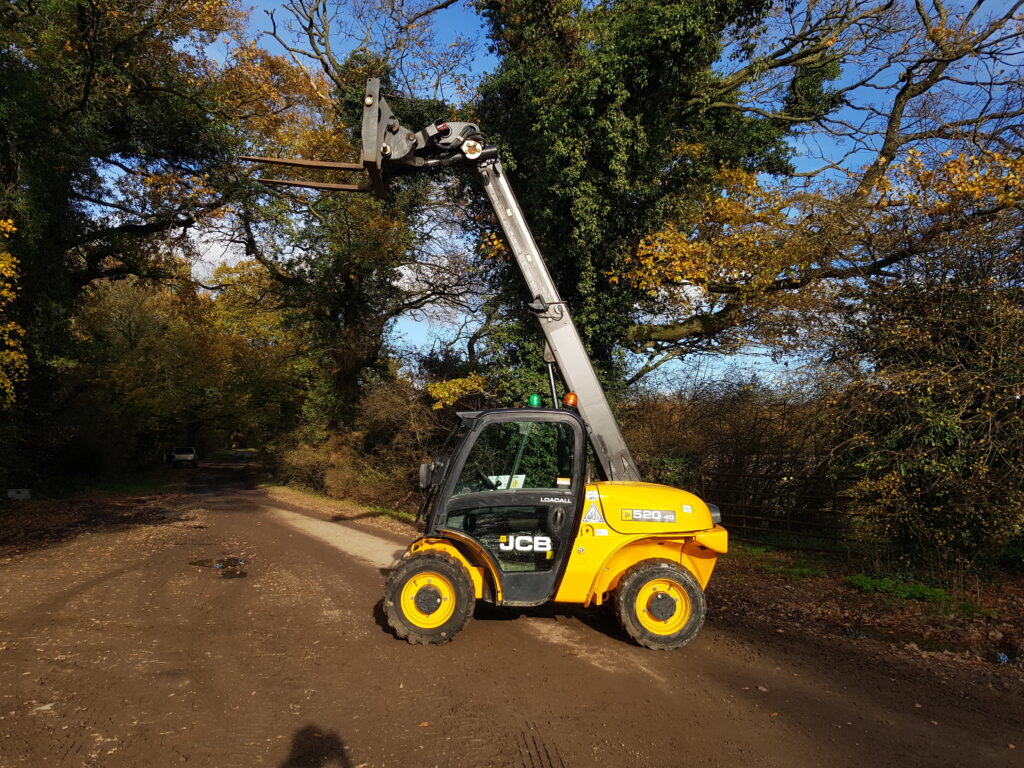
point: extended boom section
(559, 330)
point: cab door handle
(557, 519)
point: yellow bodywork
(622, 524)
(476, 572)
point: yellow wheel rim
(428, 599)
(662, 607)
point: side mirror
(432, 472)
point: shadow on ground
(598, 618)
(38, 525)
(314, 748)
(34, 525)
(215, 477)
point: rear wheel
(660, 604)
(428, 598)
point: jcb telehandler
(534, 504)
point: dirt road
(144, 643)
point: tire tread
(624, 605)
(462, 583)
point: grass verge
(907, 590)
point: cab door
(514, 487)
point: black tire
(655, 621)
(438, 598)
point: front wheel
(660, 604)
(428, 598)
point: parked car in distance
(182, 457)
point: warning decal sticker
(593, 515)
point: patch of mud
(227, 567)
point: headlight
(716, 514)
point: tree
(269, 352)
(349, 266)
(12, 355)
(626, 121)
(158, 366)
(119, 130)
(932, 418)
(765, 262)
(352, 264)
(111, 132)
(587, 104)
(899, 86)
(351, 41)
(151, 366)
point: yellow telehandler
(534, 505)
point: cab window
(519, 454)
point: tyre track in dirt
(117, 652)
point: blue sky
(458, 20)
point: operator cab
(514, 487)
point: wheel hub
(662, 606)
(428, 599)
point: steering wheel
(488, 483)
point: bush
(377, 462)
(303, 465)
(933, 421)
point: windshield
(519, 454)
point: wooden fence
(810, 509)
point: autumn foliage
(751, 249)
(12, 354)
